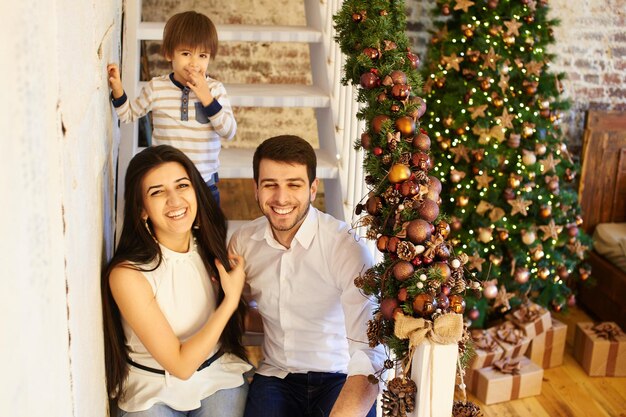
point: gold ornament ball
(521, 275)
(562, 272)
(406, 126)
(448, 121)
(485, 235)
(514, 181)
(443, 269)
(545, 211)
(462, 200)
(538, 254)
(528, 237)
(503, 235)
(529, 158)
(490, 291)
(543, 273)
(509, 40)
(443, 229)
(455, 176)
(485, 84)
(540, 149)
(457, 303)
(498, 102)
(494, 30)
(527, 131)
(468, 33)
(399, 173)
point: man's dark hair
(286, 148)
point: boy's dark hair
(286, 148)
(190, 29)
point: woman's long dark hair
(137, 246)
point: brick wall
(590, 49)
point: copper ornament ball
(418, 231)
(521, 275)
(422, 142)
(381, 243)
(429, 210)
(373, 205)
(403, 270)
(424, 304)
(392, 244)
(369, 80)
(387, 307)
(377, 122)
(457, 303)
(443, 302)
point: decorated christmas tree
(508, 179)
(420, 283)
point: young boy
(190, 110)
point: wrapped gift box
(600, 349)
(532, 318)
(546, 349)
(486, 350)
(515, 378)
(512, 339)
(433, 369)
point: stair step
(274, 95)
(153, 31)
(277, 95)
(237, 163)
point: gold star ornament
(551, 230)
(452, 61)
(476, 262)
(463, 5)
(460, 152)
(478, 111)
(520, 206)
(512, 27)
(549, 164)
(502, 300)
(483, 180)
(506, 119)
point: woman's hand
(115, 80)
(233, 281)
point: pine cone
(406, 250)
(374, 332)
(466, 409)
(399, 397)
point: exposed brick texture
(590, 49)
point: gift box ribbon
(527, 314)
(607, 331)
(512, 367)
(507, 332)
(484, 340)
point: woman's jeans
(224, 403)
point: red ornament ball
(372, 53)
(369, 80)
(421, 160)
(414, 59)
(473, 314)
(378, 151)
(443, 302)
(366, 140)
(387, 307)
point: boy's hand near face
(115, 81)
(199, 85)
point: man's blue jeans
(297, 395)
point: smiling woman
(182, 352)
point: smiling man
(300, 267)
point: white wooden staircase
(339, 165)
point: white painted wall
(57, 153)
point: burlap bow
(508, 366)
(507, 332)
(608, 331)
(445, 329)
